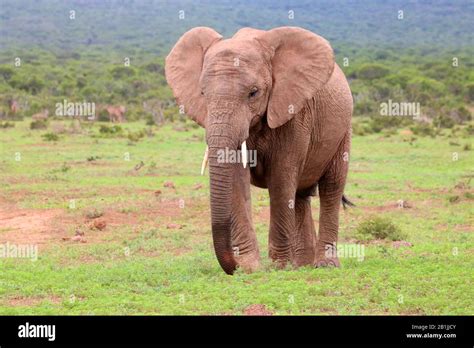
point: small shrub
(94, 213)
(389, 132)
(150, 121)
(388, 122)
(7, 124)
(372, 71)
(423, 129)
(152, 167)
(50, 137)
(135, 136)
(110, 130)
(102, 115)
(444, 121)
(469, 195)
(361, 129)
(467, 147)
(379, 228)
(469, 129)
(65, 167)
(39, 124)
(454, 199)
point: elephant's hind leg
(305, 239)
(244, 240)
(331, 189)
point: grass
(141, 265)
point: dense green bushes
(445, 92)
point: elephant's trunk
(222, 136)
(227, 128)
(221, 181)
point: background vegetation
(406, 60)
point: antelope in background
(41, 115)
(116, 113)
(14, 107)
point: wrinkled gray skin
(281, 91)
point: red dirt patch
(262, 214)
(20, 301)
(27, 226)
(47, 226)
(401, 243)
(257, 309)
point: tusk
(205, 160)
(244, 154)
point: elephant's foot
(304, 259)
(280, 257)
(248, 263)
(327, 258)
(327, 262)
(280, 264)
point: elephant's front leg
(244, 240)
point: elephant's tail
(346, 202)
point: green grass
(139, 266)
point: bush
(6, 72)
(136, 136)
(361, 129)
(423, 129)
(470, 92)
(102, 115)
(110, 130)
(7, 124)
(454, 199)
(469, 130)
(94, 213)
(377, 123)
(364, 107)
(379, 228)
(92, 158)
(50, 137)
(121, 72)
(372, 71)
(443, 121)
(39, 124)
(32, 84)
(149, 120)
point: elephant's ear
(183, 68)
(302, 63)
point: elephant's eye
(202, 92)
(253, 92)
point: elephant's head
(228, 86)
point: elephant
(279, 93)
